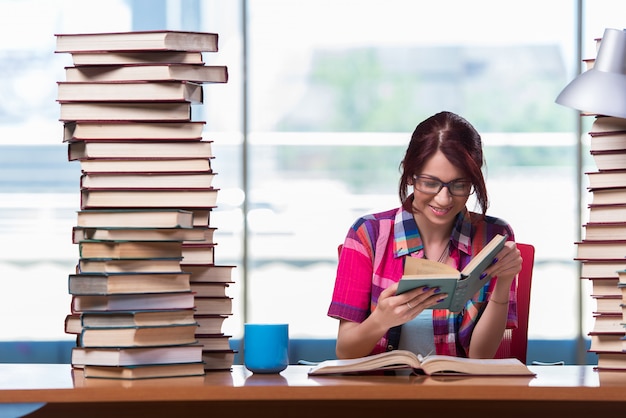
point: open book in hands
(459, 286)
(429, 365)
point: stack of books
(602, 250)
(128, 107)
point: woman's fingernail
(495, 260)
(437, 290)
(482, 276)
(425, 289)
(441, 300)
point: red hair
(458, 140)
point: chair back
(515, 341)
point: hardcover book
(459, 286)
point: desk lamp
(601, 90)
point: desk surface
(556, 386)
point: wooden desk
(570, 391)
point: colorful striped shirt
(372, 258)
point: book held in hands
(459, 286)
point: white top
(417, 335)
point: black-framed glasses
(432, 185)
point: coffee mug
(266, 347)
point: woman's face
(441, 208)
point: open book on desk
(459, 286)
(429, 365)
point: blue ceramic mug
(266, 347)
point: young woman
(443, 168)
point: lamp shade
(601, 89)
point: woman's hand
(506, 265)
(393, 310)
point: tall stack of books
(146, 249)
(602, 250)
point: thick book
(140, 72)
(140, 111)
(198, 253)
(610, 304)
(139, 218)
(600, 250)
(605, 287)
(594, 269)
(610, 160)
(459, 286)
(209, 272)
(430, 365)
(209, 324)
(138, 336)
(158, 301)
(130, 91)
(606, 179)
(144, 318)
(162, 165)
(121, 180)
(607, 212)
(130, 249)
(140, 265)
(609, 231)
(609, 141)
(137, 57)
(209, 290)
(117, 356)
(144, 371)
(147, 198)
(218, 359)
(80, 234)
(607, 342)
(152, 40)
(214, 305)
(139, 149)
(126, 283)
(608, 324)
(608, 124)
(611, 361)
(217, 341)
(115, 130)
(614, 196)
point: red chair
(515, 341)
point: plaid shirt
(372, 258)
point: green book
(459, 285)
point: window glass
(335, 88)
(334, 98)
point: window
(330, 100)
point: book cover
(80, 234)
(156, 40)
(140, 72)
(139, 149)
(135, 218)
(127, 302)
(118, 356)
(115, 130)
(130, 91)
(147, 180)
(459, 286)
(144, 371)
(127, 283)
(138, 336)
